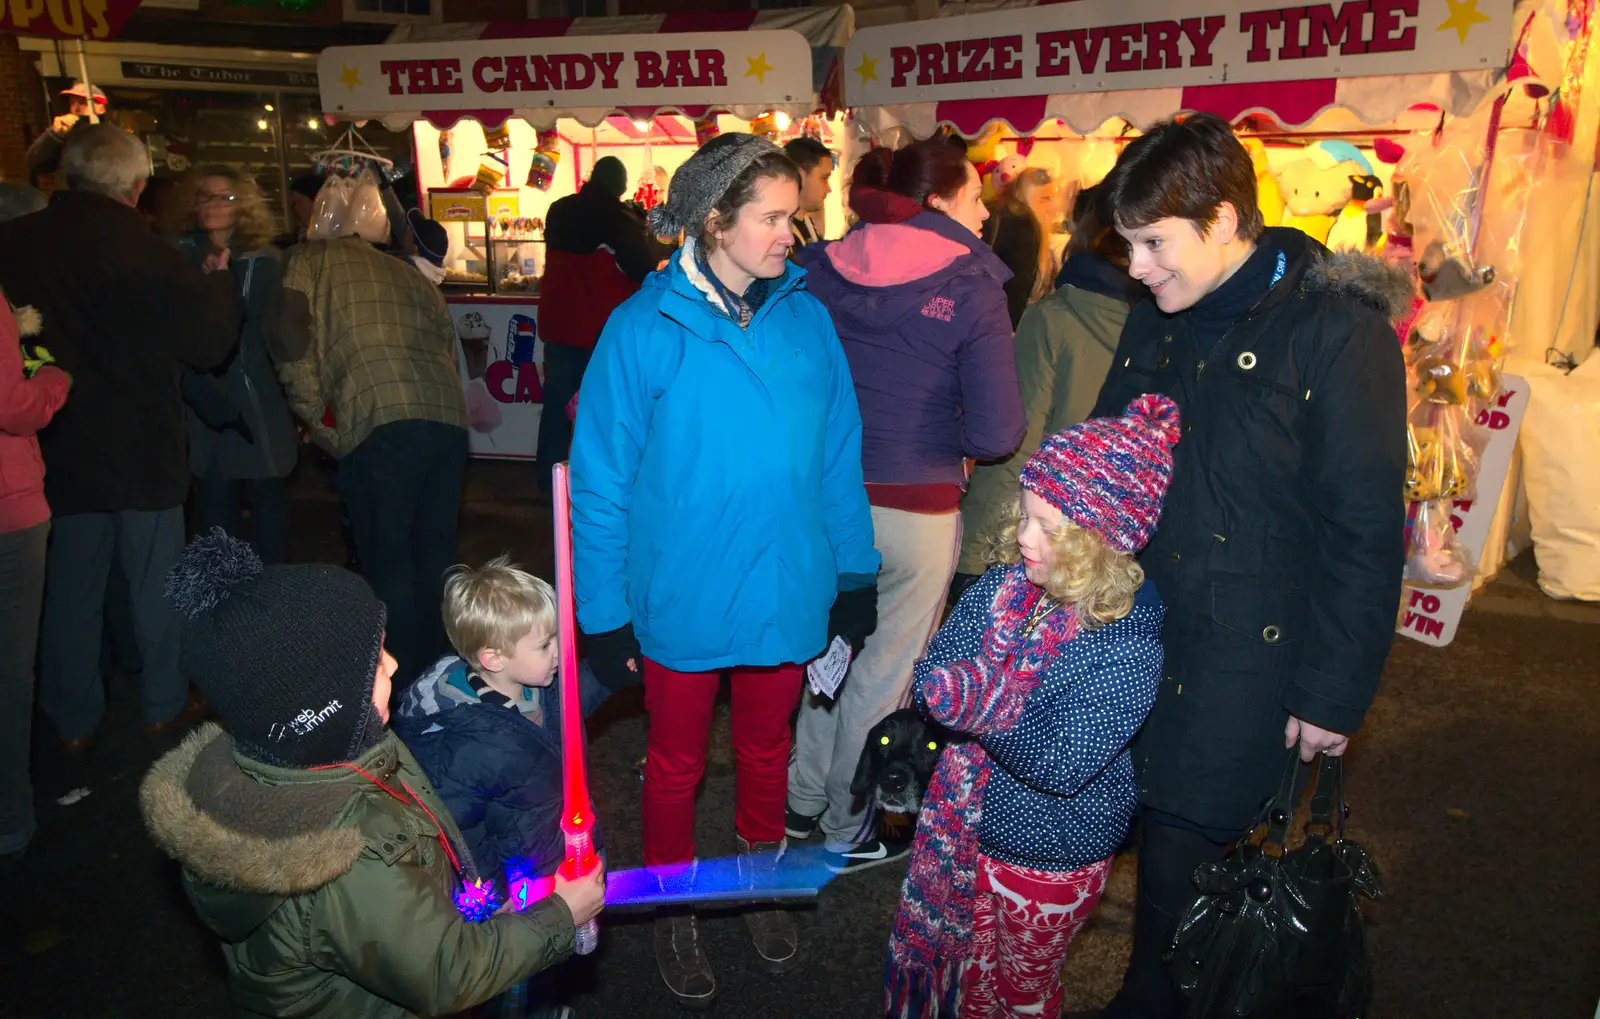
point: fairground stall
(1456, 137)
(508, 117)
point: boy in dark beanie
(308, 801)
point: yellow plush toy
(1268, 196)
(1317, 186)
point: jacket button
(1246, 361)
(388, 847)
(1167, 338)
(402, 837)
(1221, 538)
(1162, 362)
(1175, 557)
(1272, 635)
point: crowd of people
(1126, 588)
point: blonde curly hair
(254, 225)
(1097, 580)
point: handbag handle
(1327, 802)
(1280, 811)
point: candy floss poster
(502, 370)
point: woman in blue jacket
(1045, 671)
(719, 517)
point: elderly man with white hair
(121, 310)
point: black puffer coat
(1280, 548)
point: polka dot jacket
(1062, 793)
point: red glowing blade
(576, 813)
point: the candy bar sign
(1107, 45)
(568, 72)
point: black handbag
(1277, 933)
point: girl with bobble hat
(1044, 672)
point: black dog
(898, 761)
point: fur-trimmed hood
(1355, 274)
(240, 833)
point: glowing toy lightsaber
(577, 813)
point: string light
(261, 125)
(267, 107)
(312, 123)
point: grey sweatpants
(147, 544)
(21, 590)
(919, 556)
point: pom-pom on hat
(1110, 475)
(287, 655)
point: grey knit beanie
(699, 184)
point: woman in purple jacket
(919, 303)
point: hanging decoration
(546, 157)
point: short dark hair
(1185, 169)
(807, 152)
(1092, 235)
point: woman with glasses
(242, 441)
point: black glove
(854, 616)
(610, 654)
(959, 584)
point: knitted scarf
(933, 927)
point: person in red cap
(44, 155)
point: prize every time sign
(568, 72)
(1101, 45)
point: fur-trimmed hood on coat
(230, 829)
(1354, 274)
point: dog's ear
(867, 767)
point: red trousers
(679, 705)
(1023, 921)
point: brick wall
(22, 112)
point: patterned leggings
(1023, 920)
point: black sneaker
(797, 825)
(873, 853)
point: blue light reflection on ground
(800, 873)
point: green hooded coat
(331, 896)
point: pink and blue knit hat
(1110, 475)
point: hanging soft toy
(1317, 186)
(1268, 196)
(983, 152)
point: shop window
(391, 10)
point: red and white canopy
(1085, 62)
(695, 63)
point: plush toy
(1319, 184)
(1268, 195)
(1359, 226)
(983, 152)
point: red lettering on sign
(1494, 420)
(543, 73)
(528, 388)
(710, 66)
(679, 72)
(649, 64)
(1428, 602)
(607, 64)
(447, 75)
(1201, 35)
(1053, 58)
(495, 379)
(480, 74)
(575, 63)
(1257, 23)
(1008, 57)
(974, 66)
(1505, 397)
(394, 69)
(1387, 35)
(1088, 46)
(930, 64)
(1124, 56)
(1343, 28)
(952, 60)
(1161, 45)
(517, 76)
(1424, 625)
(1291, 48)
(905, 59)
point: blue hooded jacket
(717, 495)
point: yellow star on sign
(1463, 15)
(758, 67)
(351, 77)
(868, 69)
